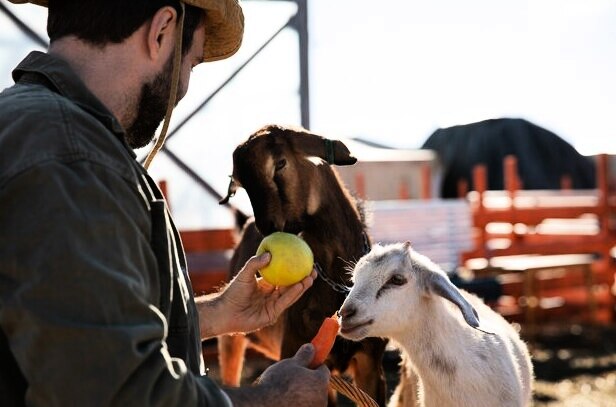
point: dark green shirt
(96, 308)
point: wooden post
(301, 25)
(512, 185)
(603, 191)
(403, 190)
(462, 188)
(360, 185)
(480, 181)
(566, 184)
(426, 183)
(512, 181)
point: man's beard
(151, 108)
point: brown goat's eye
(280, 164)
(396, 279)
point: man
(95, 304)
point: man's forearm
(212, 320)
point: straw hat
(224, 26)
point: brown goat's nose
(347, 312)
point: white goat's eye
(396, 279)
(280, 164)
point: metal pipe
(301, 26)
(23, 27)
(200, 181)
(229, 79)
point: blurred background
(391, 73)
(391, 77)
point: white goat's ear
(442, 286)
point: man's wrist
(211, 318)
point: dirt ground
(575, 366)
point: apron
(176, 299)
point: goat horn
(230, 192)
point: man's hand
(288, 382)
(248, 303)
(253, 303)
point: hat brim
(224, 26)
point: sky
(391, 72)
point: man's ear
(161, 33)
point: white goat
(473, 358)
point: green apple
(291, 260)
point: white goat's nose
(347, 311)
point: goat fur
(293, 188)
(469, 358)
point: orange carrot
(324, 340)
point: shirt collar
(61, 76)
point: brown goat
(292, 188)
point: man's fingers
(288, 295)
(323, 372)
(254, 264)
(304, 354)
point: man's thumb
(254, 264)
(304, 354)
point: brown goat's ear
(340, 155)
(332, 151)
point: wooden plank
(554, 246)
(213, 260)
(535, 193)
(440, 229)
(527, 262)
(207, 270)
(208, 282)
(532, 216)
(207, 240)
(565, 306)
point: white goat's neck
(434, 345)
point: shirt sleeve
(78, 293)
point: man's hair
(112, 21)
